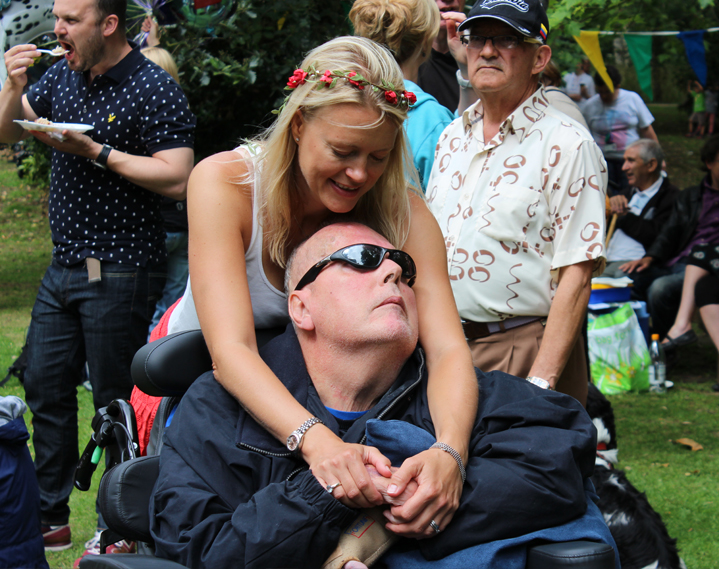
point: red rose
(391, 97)
(326, 77)
(297, 79)
(355, 83)
(410, 96)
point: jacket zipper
(265, 452)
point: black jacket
(679, 230)
(646, 226)
(230, 495)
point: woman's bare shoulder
(230, 166)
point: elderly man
(518, 189)
(98, 295)
(642, 211)
(693, 222)
(232, 496)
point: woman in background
(408, 28)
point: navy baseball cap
(528, 17)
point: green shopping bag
(618, 353)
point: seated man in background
(642, 211)
(232, 496)
(694, 220)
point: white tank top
(269, 305)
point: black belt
(477, 330)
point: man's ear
(109, 25)
(541, 58)
(299, 312)
(652, 165)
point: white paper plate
(54, 127)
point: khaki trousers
(515, 350)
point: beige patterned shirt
(516, 209)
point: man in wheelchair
(230, 495)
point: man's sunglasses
(363, 256)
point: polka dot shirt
(135, 107)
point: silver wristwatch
(462, 82)
(295, 439)
(539, 382)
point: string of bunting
(640, 52)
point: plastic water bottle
(658, 369)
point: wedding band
(434, 526)
(331, 487)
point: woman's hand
(332, 461)
(436, 499)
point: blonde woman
(163, 58)
(337, 147)
(408, 28)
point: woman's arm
(220, 224)
(452, 390)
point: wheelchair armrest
(124, 494)
(168, 366)
(571, 555)
(127, 561)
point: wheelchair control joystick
(115, 429)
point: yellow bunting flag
(589, 42)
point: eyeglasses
(499, 42)
(363, 256)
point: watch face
(293, 442)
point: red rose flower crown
(328, 79)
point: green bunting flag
(640, 50)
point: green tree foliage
(670, 70)
(234, 74)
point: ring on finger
(331, 487)
(434, 526)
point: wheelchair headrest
(168, 366)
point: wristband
(455, 455)
(101, 160)
(462, 82)
(539, 382)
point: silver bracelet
(455, 455)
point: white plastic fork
(50, 52)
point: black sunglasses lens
(366, 256)
(363, 256)
(405, 262)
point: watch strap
(101, 159)
(540, 382)
(299, 433)
(462, 82)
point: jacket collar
(284, 357)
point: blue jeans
(73, 321)
(177, 271)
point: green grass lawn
(683, 486)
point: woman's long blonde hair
(163, 58)
(385, 207)
(404, 26)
